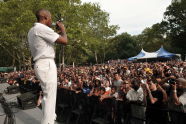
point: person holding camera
(177, 100)
(41, 40)
(179, 93)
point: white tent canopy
(149, 55)
(161, 53)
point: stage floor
(29, 116)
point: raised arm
(63, 36)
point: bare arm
(165, 97)
(175, 97)
(152, 99)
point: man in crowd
(180, 98)
(177, 101)
(135, 94)
(118, 81)
(156, 97)
(41, 40)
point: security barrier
(79, 108)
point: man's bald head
(42, 14)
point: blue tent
(141, 54)
(162, 53)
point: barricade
(117, 112)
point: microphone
(60, 20)
(54, 23)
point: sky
(133, 16)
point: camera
(172, 81)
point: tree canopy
(91, 38)
(171, 33)
(175, 25)
(86, 24)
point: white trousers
(46, 72)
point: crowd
(158, 85)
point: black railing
(79, 108)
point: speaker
(12, 89)
(27, 100)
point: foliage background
(91, 38)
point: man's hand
(60, 26)
(61, 30)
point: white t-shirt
(133, 95)
(41, 40)
(107, 89)
(179, 108)
(182, 99)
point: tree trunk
(96, 57)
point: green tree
(122, 46)
(175, 25)
(151, 39)
(86, 24)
